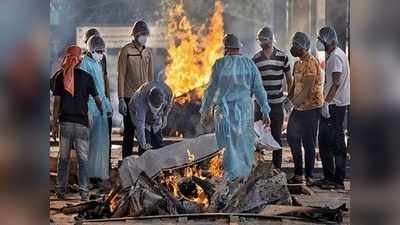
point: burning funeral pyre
(187, 178)
(192, 50)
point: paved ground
(329, 198)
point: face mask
(142, 39)
(96, 56)
(295, 51)
(266, 45)
(155, 110)
(320, 45)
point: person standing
(99, 136)
(135, 67)
(306, 95)
(274, 67)
(234, 80)
(331, 138)
(72, 87)
(89, 33)
(149, 108)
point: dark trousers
(302, 130)
(129, 132)
(154, 139)
(276, 116)
(332, 146)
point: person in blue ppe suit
(149, 108)
(234, 80)
(99, 135)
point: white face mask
(155, 110)
(320, 46)
(142, 39)
(96, 56)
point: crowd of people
(82, 111)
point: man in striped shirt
(274, 66)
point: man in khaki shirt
(135, 67)
(306, 95)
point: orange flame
(171, 178)
(192, 54)
(216, 166)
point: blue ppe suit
(99, 136)
(234, 80)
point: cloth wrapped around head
(72, 59)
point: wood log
(123, 206)
(81, 207)
(298, 189)
(187, 186)
(275, 210)
(104, 206)
(208, 187)
(321, 214)
(173, 205)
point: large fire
(192, 51)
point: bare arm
(288, 75)
(289, 80)
(334, 87)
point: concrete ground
(330, 198)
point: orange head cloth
(71, 60)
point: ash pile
(187, 178)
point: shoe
(320, 182)
(296, 180)
(328, 185)
(309, 181)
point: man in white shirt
(331, 138)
